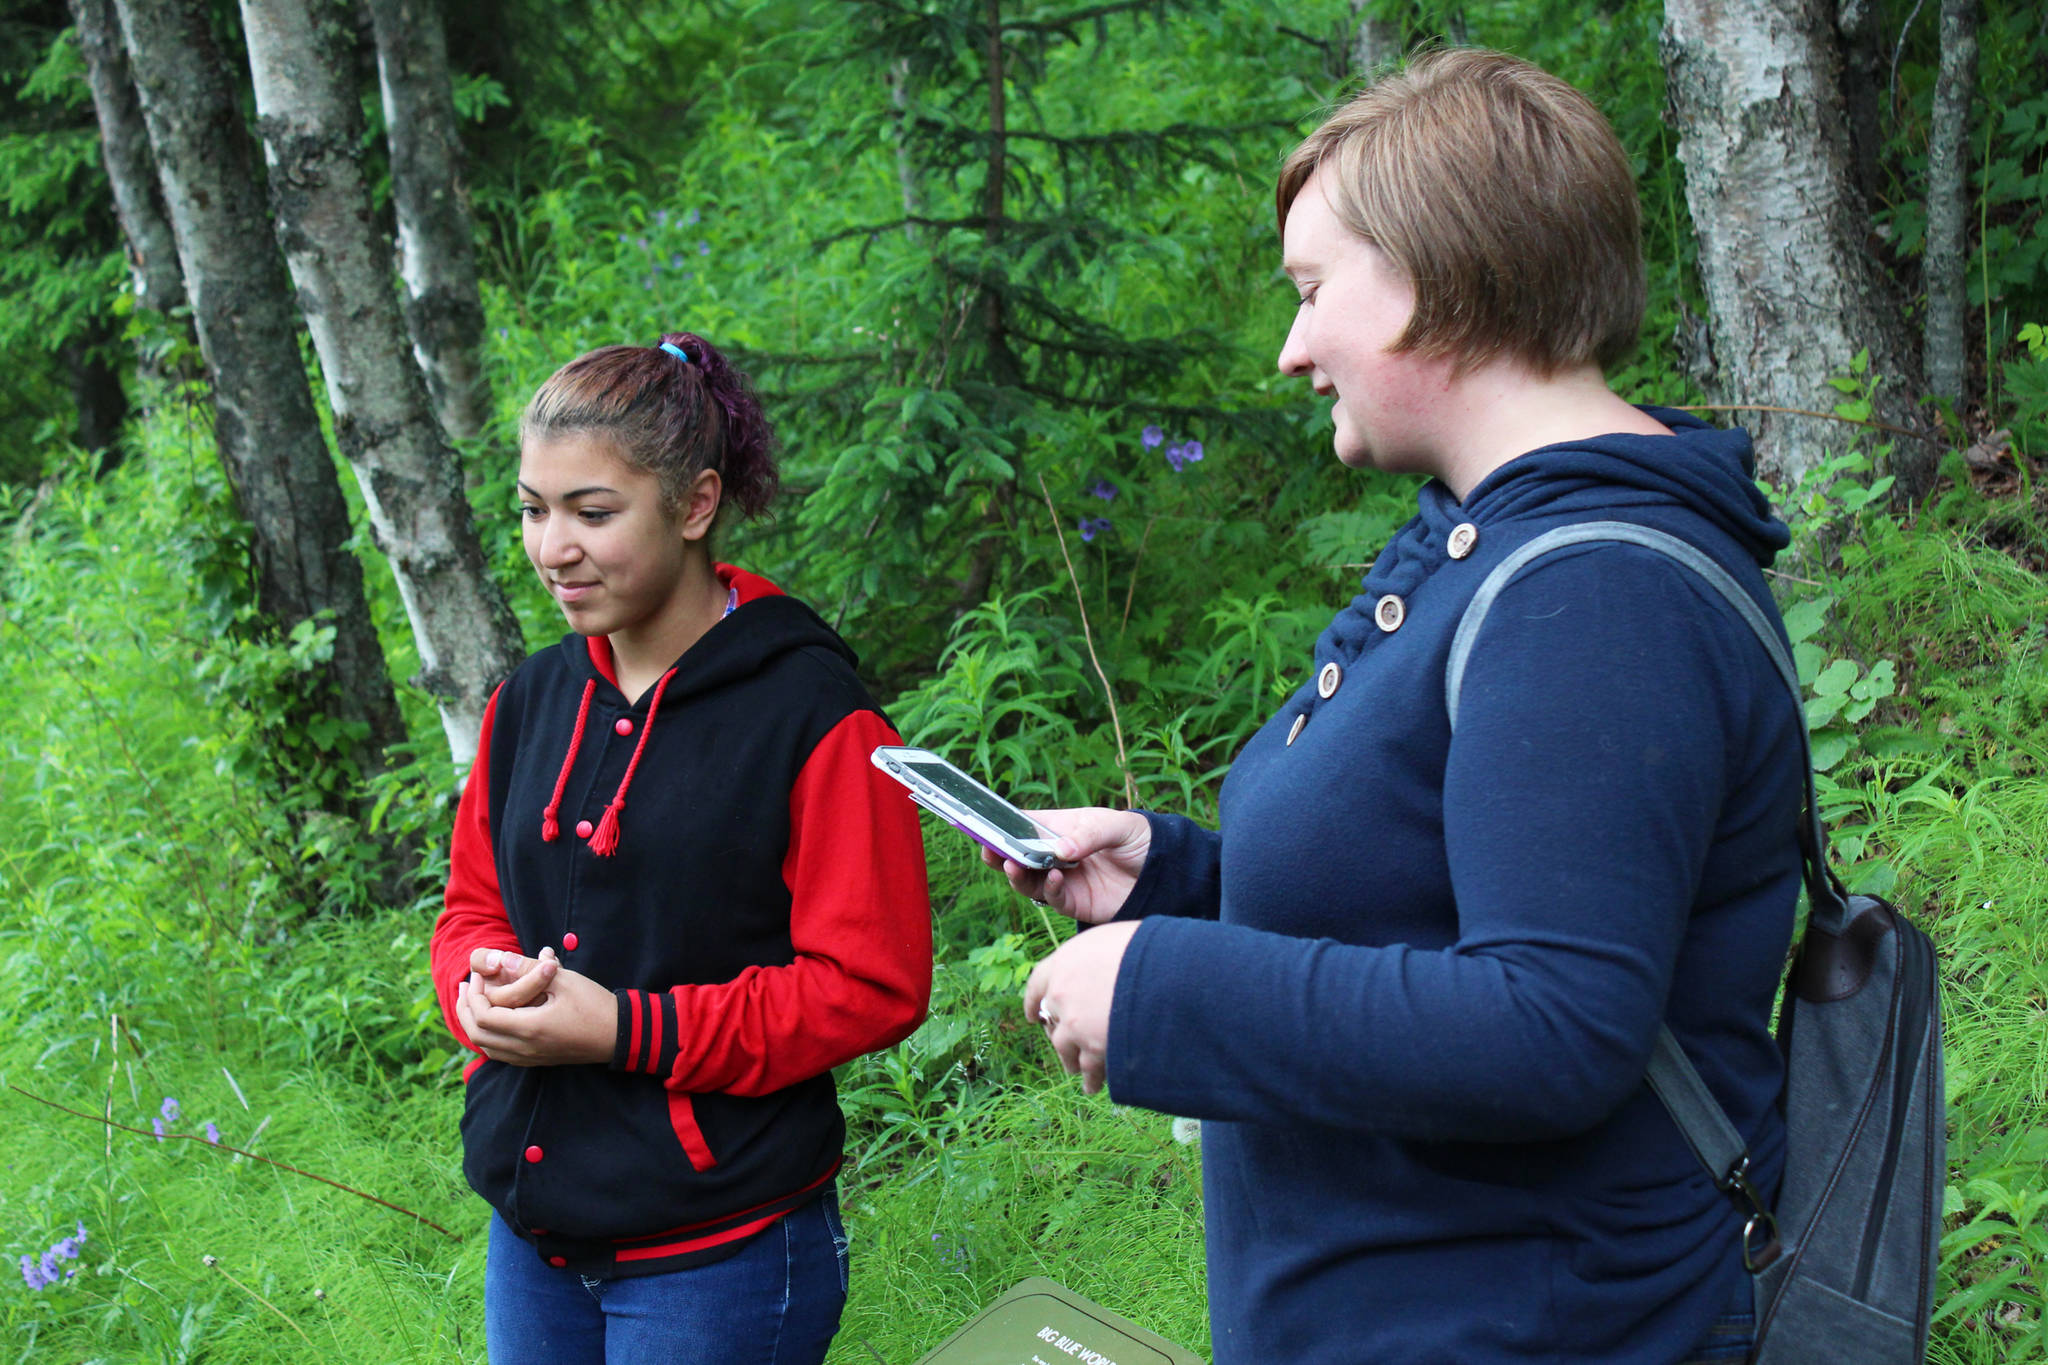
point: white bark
(1376, 41)
(312, 128)
(1783, 235)
(1948, 236)
(436, 253)
(124, 144)
(264, 422)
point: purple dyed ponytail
(671, 417)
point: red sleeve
(860, 923)
(474, 913)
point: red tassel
(548, 828)
(605, 841)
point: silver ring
(1045, 1014)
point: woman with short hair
(1412, 984)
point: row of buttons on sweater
(1388, 614)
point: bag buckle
(1760, 1244)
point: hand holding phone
(968, 806)
(1109, 848)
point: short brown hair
(674, 409)
(1504, 197)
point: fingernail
(493, 960)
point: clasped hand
(533, 1011)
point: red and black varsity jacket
(724, 856)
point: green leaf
(1828, 748)
(1809, 658)
(1821, 710)
(1836, 678)
(1805, 618)
(1882, 681)
(1874, 878)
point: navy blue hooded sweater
(1412, 985)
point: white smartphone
(968, 806)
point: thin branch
(1793, 578)
(1891, 93)
(1809, 412)
(223, 1147)
(1088, 634)
(1073, 19)
(1132, 591)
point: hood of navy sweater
(1698, 483)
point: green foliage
(60, 262)
(736, 170)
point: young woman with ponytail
(679, 895)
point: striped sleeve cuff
(648, 1041)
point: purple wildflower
(661, 217)
(1090, 526)
(1192, 451)
(703, 248)
(1104, 489)
(1150, 437)
(212, 1133)
(170, 1110)
(157, 1125)
(44, 1271)
(693, 217)
(1181, 456)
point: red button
(583, 828)
(568, 943)
(533, 1154)
(623, 725)
(558, 1261)
(538, 1232)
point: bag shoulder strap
(1699, 1116)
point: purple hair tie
(678, 352)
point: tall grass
(152, 871)
(146, 877)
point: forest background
(1007, 276)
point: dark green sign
(1043, 1323)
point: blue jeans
(776, 1302)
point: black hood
(737, 647)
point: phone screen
(978, 799)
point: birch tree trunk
(264, 422)
(312, 129)
(1948, 161)
(124, 144)
(906, 167)
(1375, 41)
(1783, 234)
(436, 249)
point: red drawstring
(548, 826)
(606, 841)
